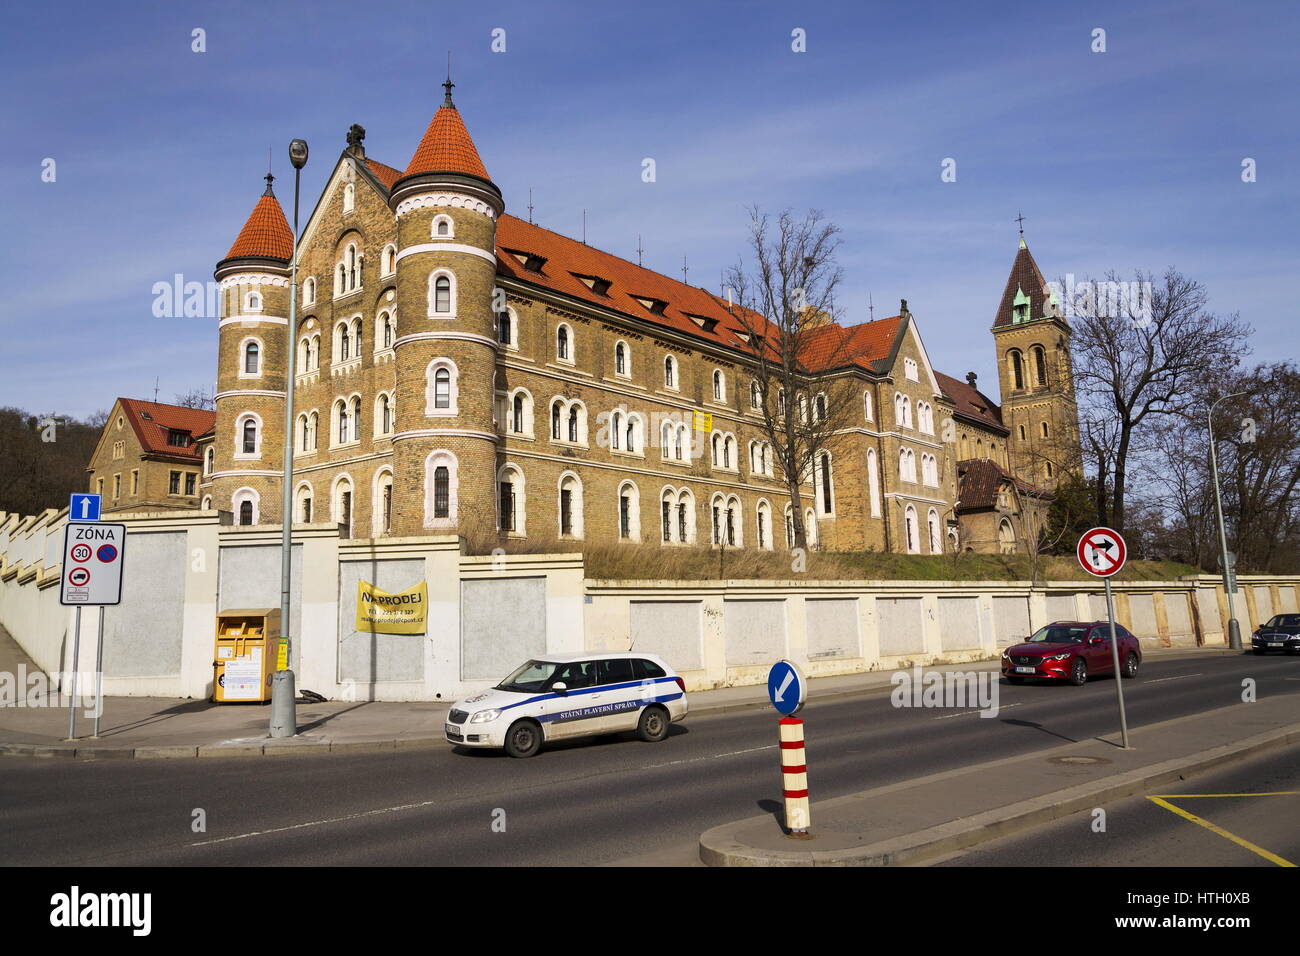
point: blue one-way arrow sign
(84, 507)
(786, 688)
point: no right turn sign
(1102, 552)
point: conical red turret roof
(447, 146)
(266, 233)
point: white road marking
(1179, 677)
(967, 713)
(429, 803)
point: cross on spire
(1021, 219)
(448, 84)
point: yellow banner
(703, 421)
(382, 613)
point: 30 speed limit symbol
(81, 552)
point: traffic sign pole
(794, 778)
(1119, 678)
(76, 661)
(99, 672)
(1102, 553)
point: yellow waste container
(245, 656)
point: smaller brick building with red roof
(149, 456)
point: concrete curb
(250, 748)
(718, 848)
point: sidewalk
(170, 727)
(916, 821)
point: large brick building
(458, 369)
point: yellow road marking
(1186, 796)
(1214, 828)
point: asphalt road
(1255, 802)
(585, 803)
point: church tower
(1032, 339)
(248, 450)
(445, 442)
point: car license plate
(1274, 643)
(1024, 670)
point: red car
(1071, 650)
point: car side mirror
(560, 687)
(1095, 639)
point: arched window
(873, 482)
(440, 487)
(820, 408)
(345, 343)
(245, 512)
(763, 525)
(252, 359)
(629, 512)
(754, 394)
(936, 546)
(341, 413)
(555, 420)
(442, 294)
(389, 259)
(866, 406)
(1017, 369)
(441, 388)
(244, 502)
(615, 430)
(385, 415)
(562, 343)
(670, 372)
(209, 457)
(248, 443)
(443, 227)
(382, 519)
(1040, 366)
(517, 414)
(1006, 538)
(912, 530)
(341, 502)
(253, 302)
(827, 499)
(633, 426)
(1045, 429)
(620, 359)
(302, 503)
(349, 197)
(728, 450)
(573, 423)
(666, 440)
(570, 506)
(309, 291)
(719, 385)
(683, 442)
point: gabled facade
(460, 370)
(148, 457)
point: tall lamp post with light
(284, 719)
(1229, 579)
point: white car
(560, 697)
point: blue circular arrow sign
(786, 688)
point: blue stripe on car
(577, 691)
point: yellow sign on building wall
(703, 421)
(383, 613)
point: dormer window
(703, 321)
(595, 283)
(530, 261)
(655, 306)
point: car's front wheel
(1079, 672)
(653, 725)
(524, 738)
(1131, 665)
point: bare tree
(1140, 349)
(197, 398)
(800, 356)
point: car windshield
(1059, 634)
(1284, 620)
(530, 678)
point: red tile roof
(266, 233)
(446, 148)
(978, 481)
(385, 174)
(861, 345)
(152, 421)
(971, 402)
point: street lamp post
(1229, 582)
(284, 719)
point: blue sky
(1119, 160)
